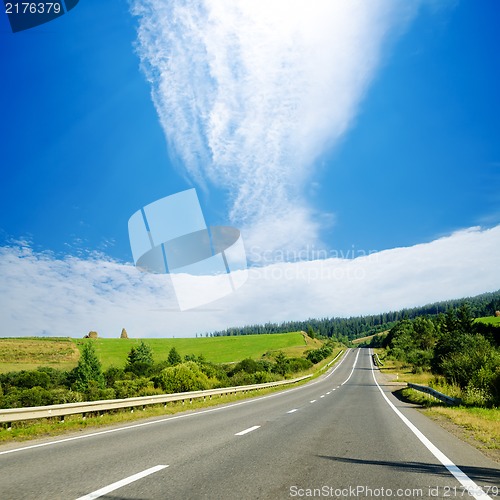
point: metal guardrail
(376, 360)
(436, 394)
(10, 415)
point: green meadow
(29, 353)
(491, 320)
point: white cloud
(69, 297)
(250, 93)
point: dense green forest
(345, 329)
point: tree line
(347, 329)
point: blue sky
(379, 135)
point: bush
(264, 377)
(317, 355)
(183, 377)
(141, 386)
(242, 378)
(476, 366)
(298, 364)
(28, 379)
(20, 398)
(112, 374)
(62, 396)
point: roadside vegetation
(451, 352)
(458, 356)
(141, 374)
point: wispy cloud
(251, 93)
(69, 297)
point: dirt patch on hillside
(40, 352)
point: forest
(346, 329)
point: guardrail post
(61, 419)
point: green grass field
(29, 353)
(491, 320)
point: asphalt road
(336, 437)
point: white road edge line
(123, 482)
(174, 417)
(292, 411)
(246, 431)
(352, 371)
(474, 490)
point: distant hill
(344, 329)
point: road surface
(341, 436)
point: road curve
(335, 437)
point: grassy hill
(63, 353)
(491, 320)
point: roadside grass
(34, 429)
(401, 372)
(480, 427)
(63, 353)
(369, 337)
(296, 351)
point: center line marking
(246, 431)
(313, 401)
(292, 411)
(328, 393)
(322, 396)
(352, 371)
(123, 482)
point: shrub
(112, 374)
(317, 355)
(476, 366)
(264, 377)
(298, 364)
(141, 386)
(182, 378)
(62, 396)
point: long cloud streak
(250, 93)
